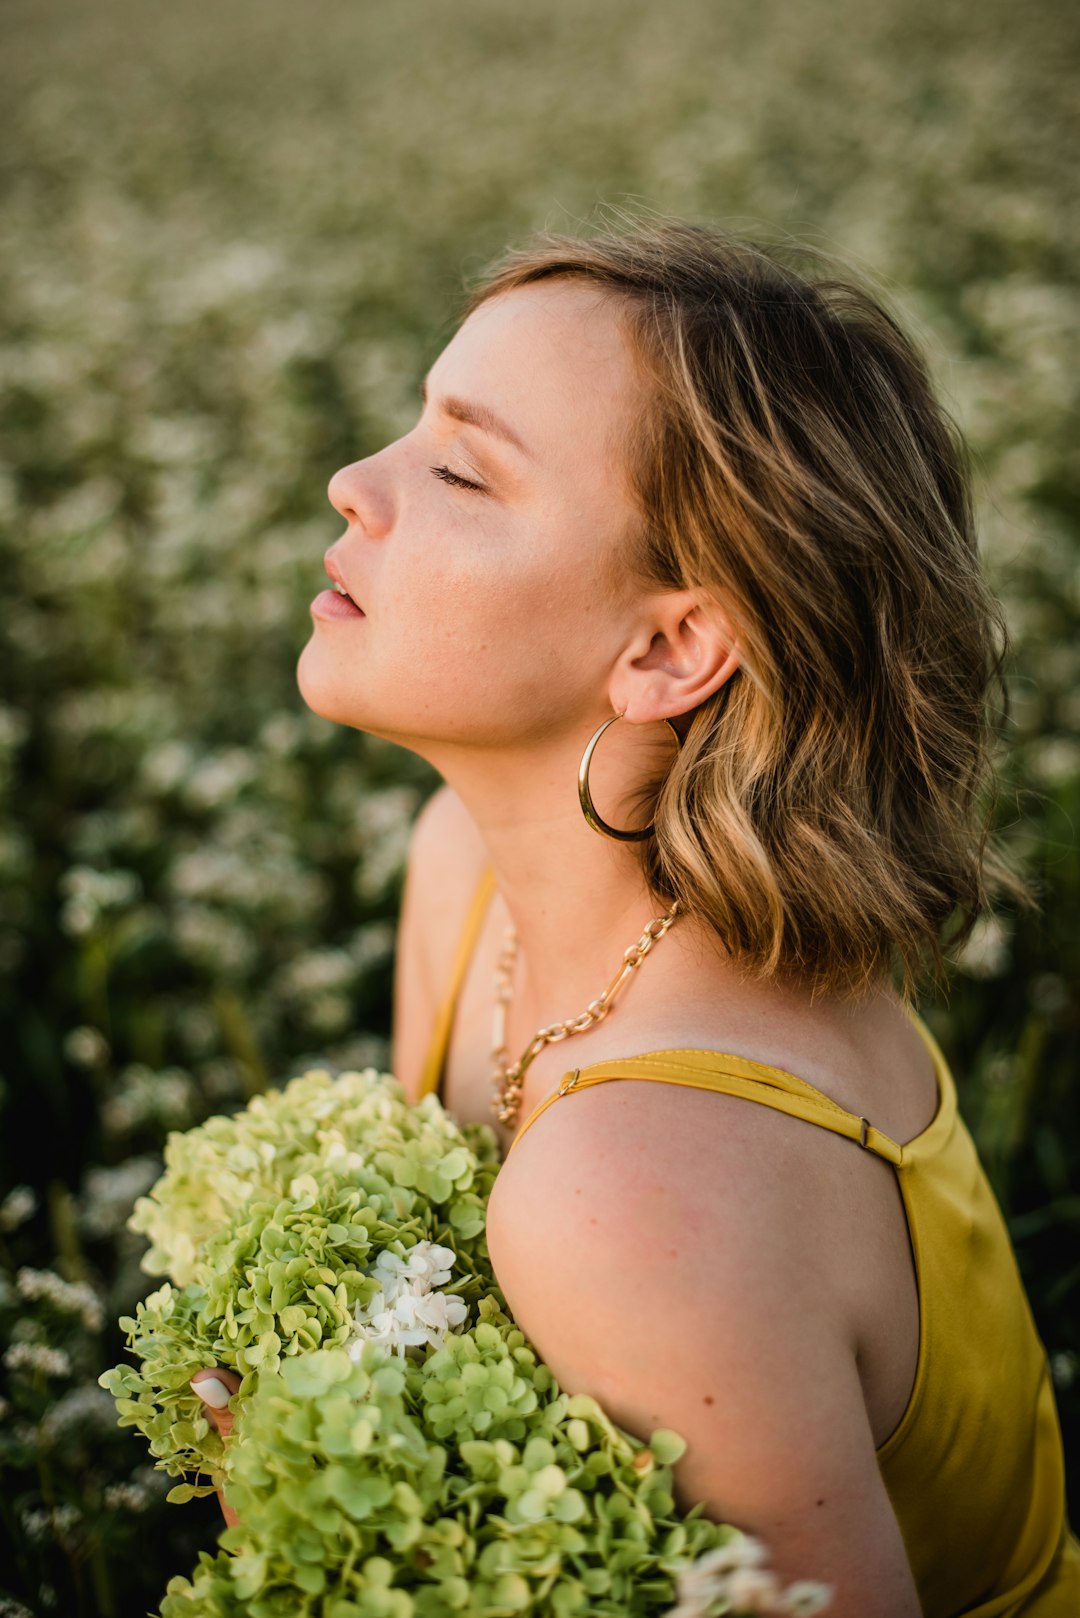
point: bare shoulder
(446, 857)
(673, 1271)
(446, 860)
(672, 1172)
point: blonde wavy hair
(828, 813)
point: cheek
(504, 623)
(484, 622)
(485, 653)
(474, 588)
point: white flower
(66, 1297)
(438, 1312)
(701, 1583)
(37, 1357)
(805, 1598)
(986, 952)
(406, 1311)
(18, 1206)
(735, 1574)
(86, 1047)
(744, 1552)
(425, 1263)
(752, 1589)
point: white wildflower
(132, 1497)
(10, 1608)
(86, 1414)
(218, 778)
(36, 1525)
(18, 1206)
(66, 1297)
(86, 1047)
(1063, 1368)
(57, 1523)
(79, 916)
(316, 972)
(986, 952)
(372, 944)
(1054, 761)
(107, 890)
(281, 734)
(143, 1094)
(37, 1357)
(108, 1193)
(1048, 993)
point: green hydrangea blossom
(315, 1121)
(362, 1489)
(266, 1224)
(454, 1477)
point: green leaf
(357, 1495)
(569, 1506)
(183, 1492)
(512, 1591)
(309, 1375)
(249, 1574)
(667, 1446)
(310, 1578)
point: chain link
(508, 1079)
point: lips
(329, 604)
(334, 572)
(334, 604)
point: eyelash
(454, 480)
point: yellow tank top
(974, 1470)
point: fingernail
(215, 1393)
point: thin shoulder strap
(729, 1075)
(431, 1076)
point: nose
(362, 497)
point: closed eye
(454, 480)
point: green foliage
(268, 1223)
(302, 1140)
(457, 1471)
(362, 1489)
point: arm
(446, 859)
(690, 1294)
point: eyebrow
(476, 415)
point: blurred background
(234, 238)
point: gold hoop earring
(588, 808)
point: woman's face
(487, 548)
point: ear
(686, 650)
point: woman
(663, 479)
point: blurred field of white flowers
(235, 239)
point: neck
(576, 899)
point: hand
(215, 1388)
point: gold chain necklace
(509, 1079)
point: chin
(322, 690)
(318, 687)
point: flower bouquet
(399, 1449)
